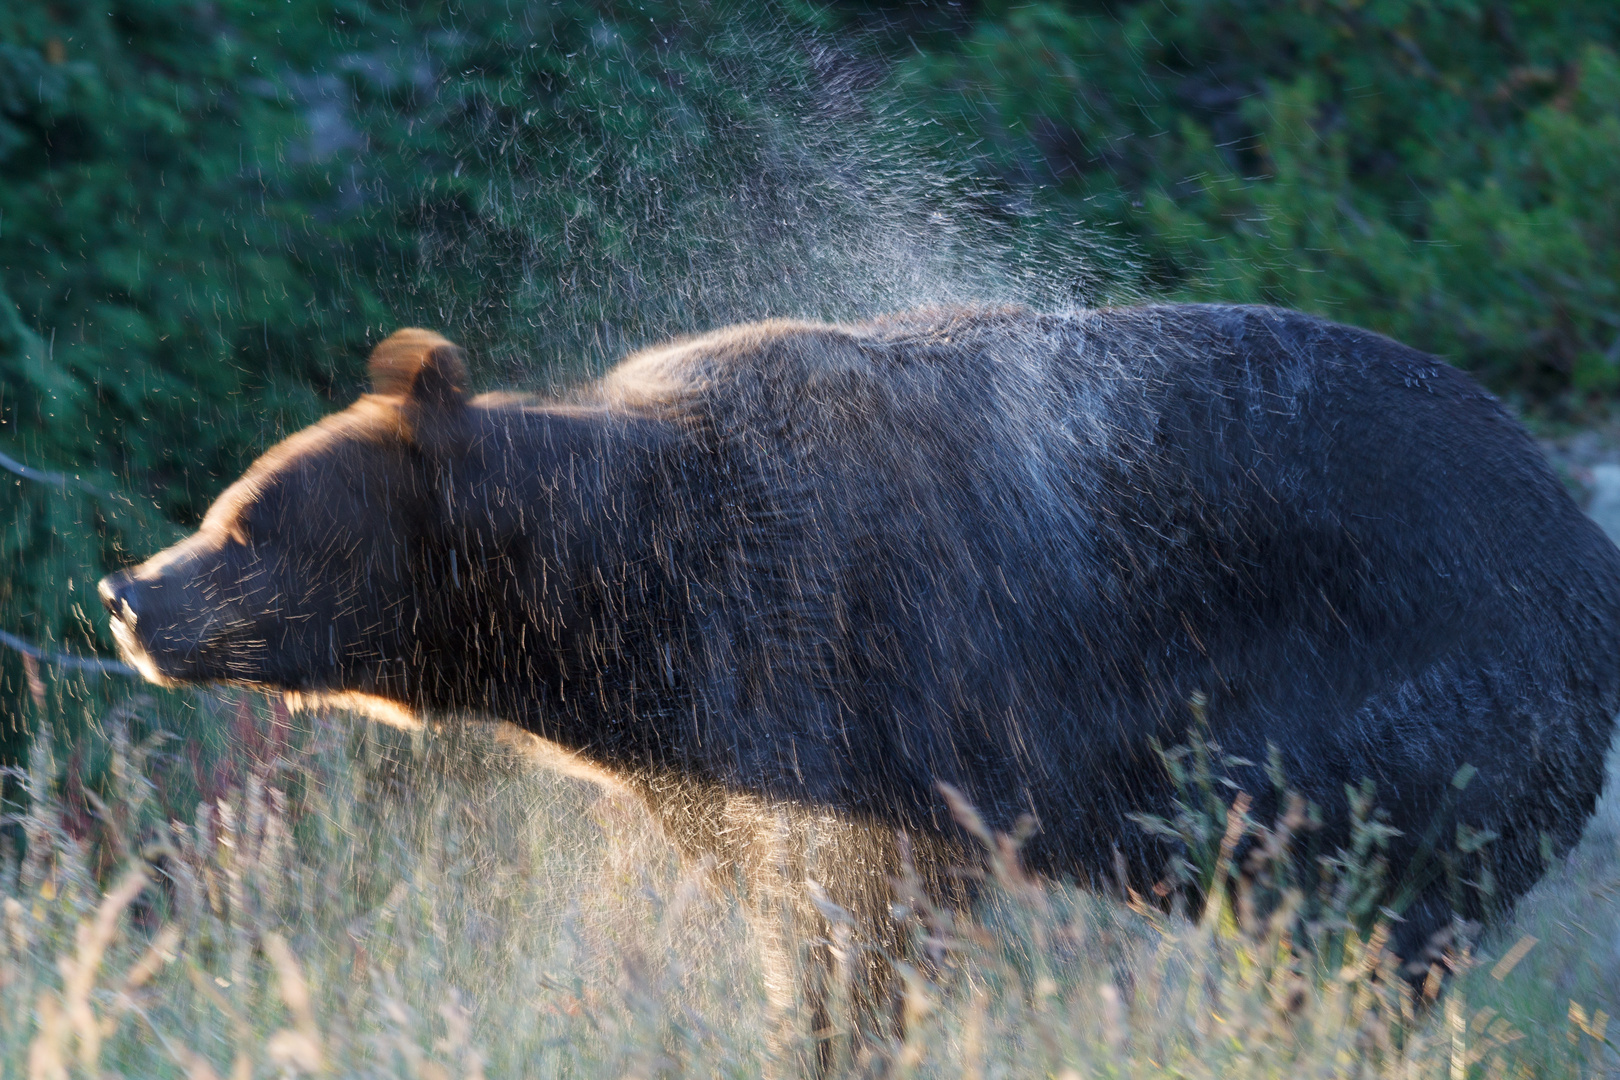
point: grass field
(357, 901)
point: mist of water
(790, 183)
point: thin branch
(146, 512)
(62, 480)
(68, 660)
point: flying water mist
(769, 175)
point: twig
(11, 464)
(145, 511)
(68, 660)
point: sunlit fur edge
(524, 744)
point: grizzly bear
(787, 579)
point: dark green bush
(1441, 170)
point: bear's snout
(159, 624)
(121, 596)
(114, 591)
(206, 610)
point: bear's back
(1019, 530)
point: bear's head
(303, 574)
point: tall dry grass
(353, 901)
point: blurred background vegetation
(209, 209)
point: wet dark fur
(824, 568)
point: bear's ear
(422, 367)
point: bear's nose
(115, 591)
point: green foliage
(1220, 849)
(1440, 170)
(1336, 896)
(208, 210)
(164, 278)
